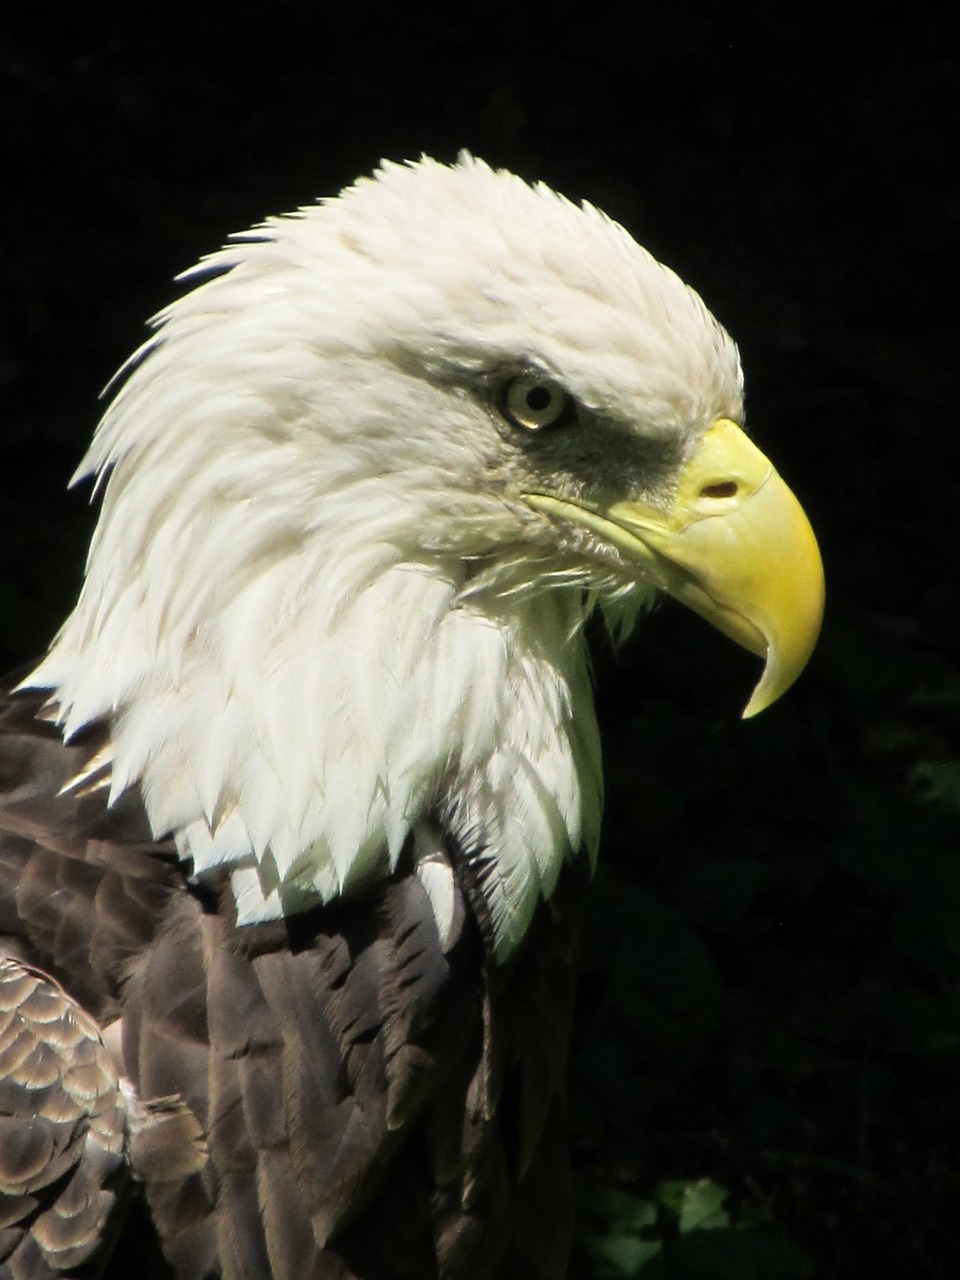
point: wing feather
(341, 1095)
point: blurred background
(767, 1072)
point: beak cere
(734, 545)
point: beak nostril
(722, 489)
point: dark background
(767, 1080)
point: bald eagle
(297, 809)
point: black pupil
(538, 398)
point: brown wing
(62, 1132)
(337, 1096)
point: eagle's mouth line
(611, 532)
(667, 575)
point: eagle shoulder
(303, 1096)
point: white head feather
(317, 612)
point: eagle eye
(532, 401)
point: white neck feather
(293, 702)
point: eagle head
(360, 489)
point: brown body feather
(339, 1095)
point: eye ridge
(534, 402)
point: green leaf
(701, 1207)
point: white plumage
(318, 613)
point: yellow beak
(734, 545)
